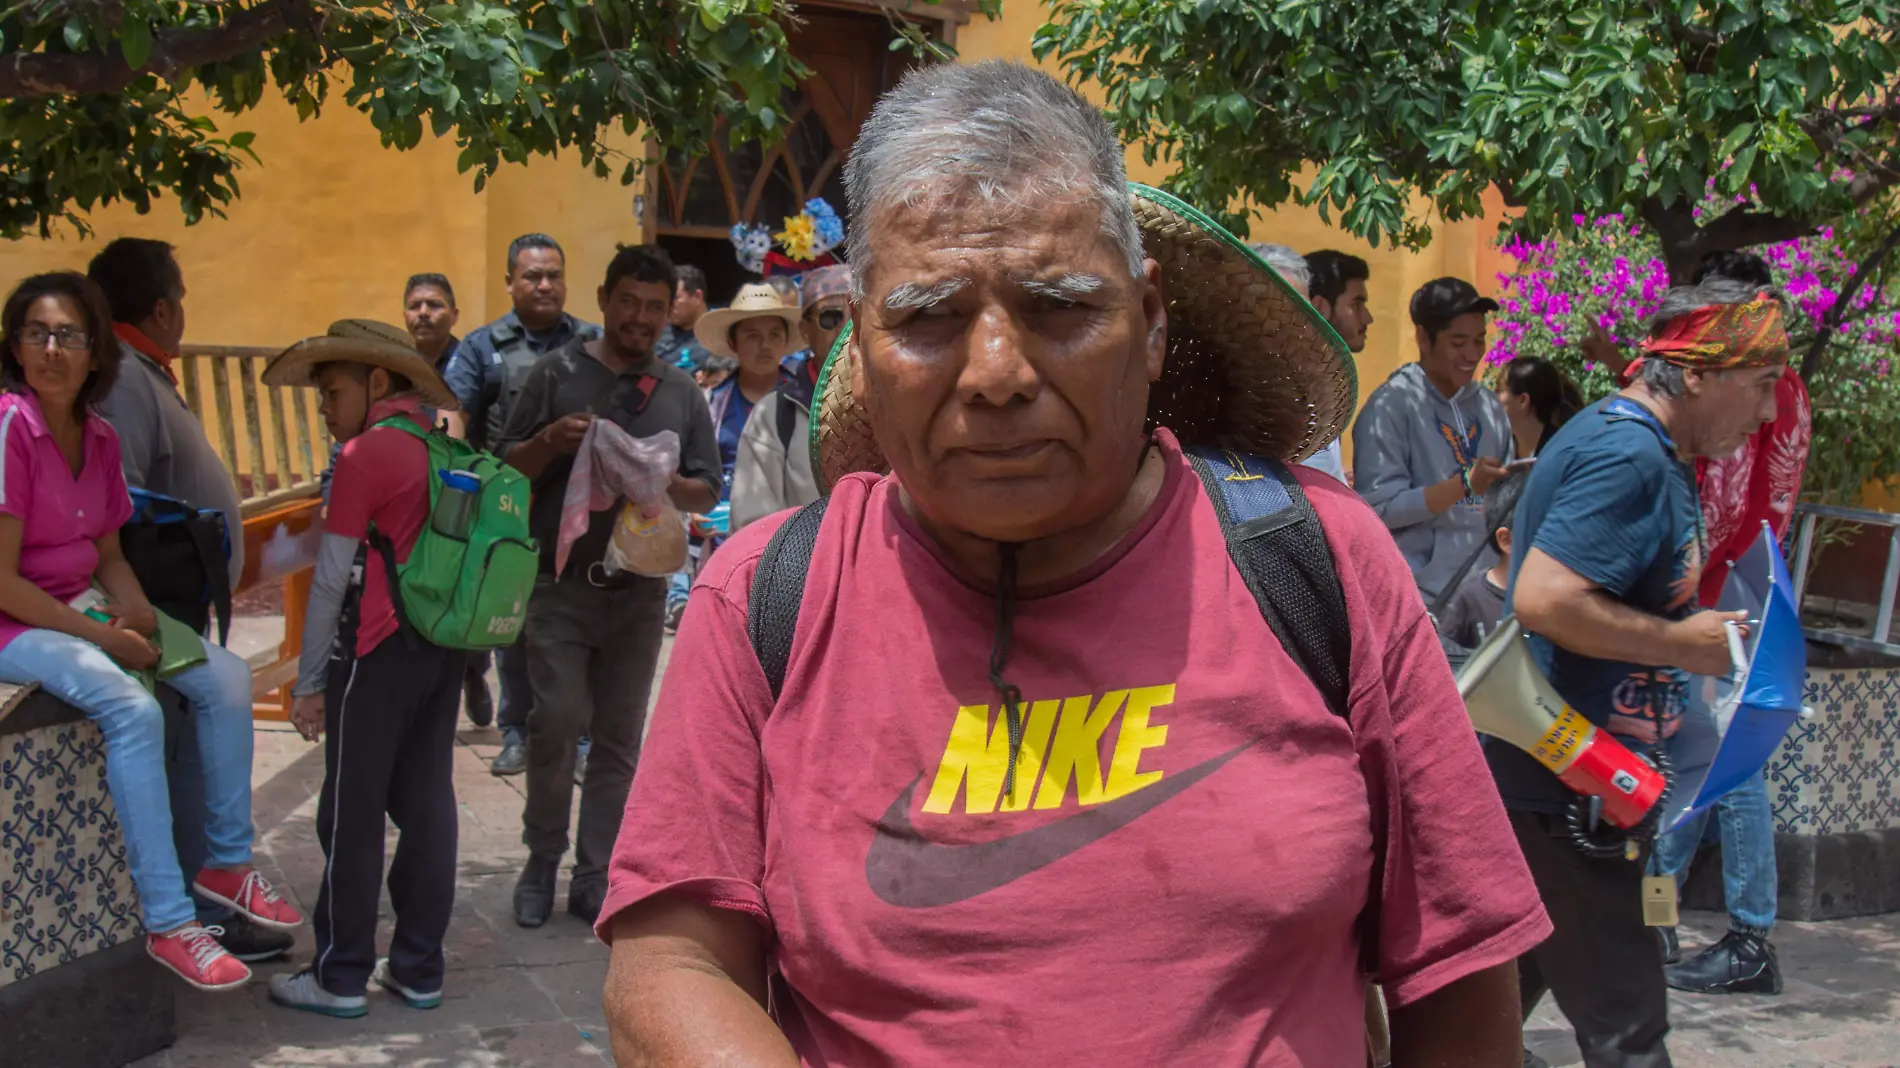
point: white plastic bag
(613, 468)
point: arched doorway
(695, 200)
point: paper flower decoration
(803, 245)
(829, 229)
(751, 243)
(799, 238)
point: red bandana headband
(1721, 337)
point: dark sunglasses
(831, 318)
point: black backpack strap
(387, 549)
(778, 588)
(1281, 553)
(208, 533)
(787, 414)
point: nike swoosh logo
(908, 870)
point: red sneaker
(194, 953)
(249, 893)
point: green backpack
(468, 593)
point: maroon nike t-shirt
(1189, 869)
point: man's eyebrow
(1062, 287)
(910, 296)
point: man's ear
(1321, 305)
(600, 297)
(1695, 380)
(377, 384)
(1154, 311)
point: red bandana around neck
(145, 346)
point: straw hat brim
(1251, 366)
(713, 331)
(296, 365)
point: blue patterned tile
(1836, 772)
(65, 891)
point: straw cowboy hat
(363, 341)
(1251, 366)
(756, 301)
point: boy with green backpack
(425, 557)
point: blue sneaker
(415, 999)
(302, 991)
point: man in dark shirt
(677, 345)
(486, 373)
(1611, 548)
(593, 640)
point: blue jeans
(1747, 825)
(219, 690)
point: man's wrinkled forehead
(942, 238)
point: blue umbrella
(1733, 725)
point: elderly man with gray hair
(993, 753)
(1609, 554)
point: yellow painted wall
(331, 224)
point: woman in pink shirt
(62, 500)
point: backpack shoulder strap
(1281, 553)
(406, 425)
(778, 587)
(786, 412)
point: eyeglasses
(70, 338)
(830, 318)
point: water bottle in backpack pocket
(467, 580)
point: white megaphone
(1508, 698)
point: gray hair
(1008, 131)
(1664, 378)
(1290, 264)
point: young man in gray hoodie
(1432, 439)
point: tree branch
(31, 74)
(1811, 362)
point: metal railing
(1879, 641)
(271, 439)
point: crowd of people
(1042, 483)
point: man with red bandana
(1606, 587)
(1759, 484)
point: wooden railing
(270, 438)
(274, 443)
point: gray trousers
(1604, 966)
(591, 657)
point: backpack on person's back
(466, 582)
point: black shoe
(1532, 1060)
(512, 760)
(673, 614)
(252, 942)
(534, 892)
(1671, 948)
(584, 899)
(1738, 964)
(475, 698)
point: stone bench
(1835, 786)
(76, 987)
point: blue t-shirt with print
(1610, 500)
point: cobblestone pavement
(532, 998)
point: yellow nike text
(1061, 747)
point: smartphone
(1523, 464)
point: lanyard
(1625, 408)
